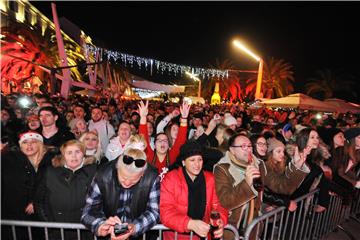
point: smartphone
(120, 229)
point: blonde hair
(98, 153)
(39, 155)
(77, 143)
(137, 141)
(134, 153)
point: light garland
(149, 64)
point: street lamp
(239, 45)
(196, 79)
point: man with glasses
(234, 182)
(126, 192)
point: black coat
(19, 181)
(59, 138)
(61, 194)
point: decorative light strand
(148, 64)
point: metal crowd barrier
(47, 227)
(304, 223)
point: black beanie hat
(190, 148)
(352, 133)
(327, 134)
(198, 115)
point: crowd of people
(122, 166)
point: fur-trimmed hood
(59, 161)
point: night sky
(308, 35)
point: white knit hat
(30, 135)
(229, 119)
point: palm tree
(229, 86)
(21, 41)
(277, 81)
(328, 82)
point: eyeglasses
(260, 144)
(243, 147)
(138, 162)
(162, 141)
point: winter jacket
(115, 149)
(235, 194)
(19, 181)
(286, 182)
(61, 194)
(174, 203)
(59, 138)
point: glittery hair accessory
(30, 135)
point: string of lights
(152, 64)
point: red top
(174, 203)
(173, 152)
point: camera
(120, 229)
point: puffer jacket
(19, 182)
(61, 194)
(174, 203)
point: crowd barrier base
(304, 223)
(81, 233)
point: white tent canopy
(139, 82)
(342, 106)
(300, 101)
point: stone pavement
(351, 226)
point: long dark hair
(302, 139)
(168, 132)
(167, 152)
(340, 158)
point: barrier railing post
(29, 233)
(78, 228)
(13, 232)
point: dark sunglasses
(129, 160)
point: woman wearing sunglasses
(163, 156)
(188, 197)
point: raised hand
(300, 158)
(143, 108)
(185, 109)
